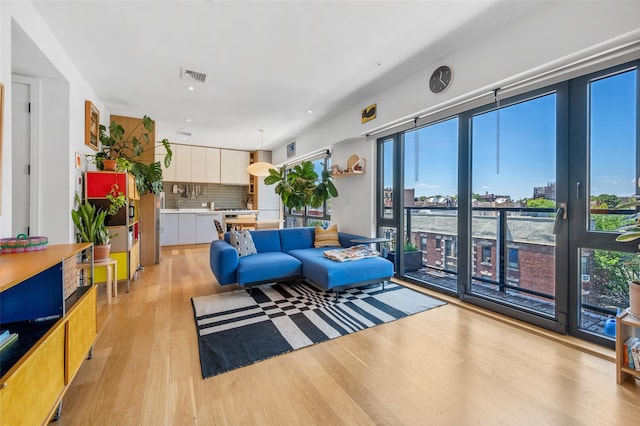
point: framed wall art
(91, 125)
(291, 149)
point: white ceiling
(267, 62)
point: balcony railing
(495, 227)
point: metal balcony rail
(502, 214)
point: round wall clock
(440, 79)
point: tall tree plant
(301, 186)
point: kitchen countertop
(208, 211)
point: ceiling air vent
(191, 75)
(184, 132)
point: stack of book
(631, 353)
(6, 339)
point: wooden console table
(55, 333)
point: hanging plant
(117, 200)
(301, 186)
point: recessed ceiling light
(309, 111)
(188, 119)
(190, 88)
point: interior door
(21, 155)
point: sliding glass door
(512, 206)
(516, 214)
(605, 171)
(430, 204)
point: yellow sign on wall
(369, 113)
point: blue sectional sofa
(287, 254)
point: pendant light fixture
(260, 168)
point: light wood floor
(446, 366)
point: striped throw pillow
(326, 238)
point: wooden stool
(111, 265)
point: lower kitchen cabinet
(169, 230)
(187, 228)
(206, 230)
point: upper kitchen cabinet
(233, 167)
(213, 165)
(169, 173)
(182, 157)
(198, 164)
(194, 164)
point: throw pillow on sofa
(326, 237)
(242, 242)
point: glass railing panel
(431, 245)
(604, 287)
(513, 259)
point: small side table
(372, 240)
(111, 265)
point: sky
(524, 157)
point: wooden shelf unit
(54, 334)
(349, 171)
(345, 174)
(626, 327)
(125, 247)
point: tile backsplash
(224, 196)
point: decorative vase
(101, 252)
(634, 298)
(110, 165)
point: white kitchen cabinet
(205, 229)
(198, 164)
(169, 173)
(227, 166)
(169, 230)
(186, 228)
(194, 164)
(213, 165)
(233, 167)
(183, 163)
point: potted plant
(301, 186)
(90, 224)
(120, 153)
(412, 257)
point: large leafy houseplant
(127, 153)
(301, 186)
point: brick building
(529, 252)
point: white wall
(556, 34)
(61, 121)
(353, 210)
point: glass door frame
(559, 323)
(581, 236)
(572, 171)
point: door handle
(561, 214)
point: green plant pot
(412, 260)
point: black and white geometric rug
(236, 329)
